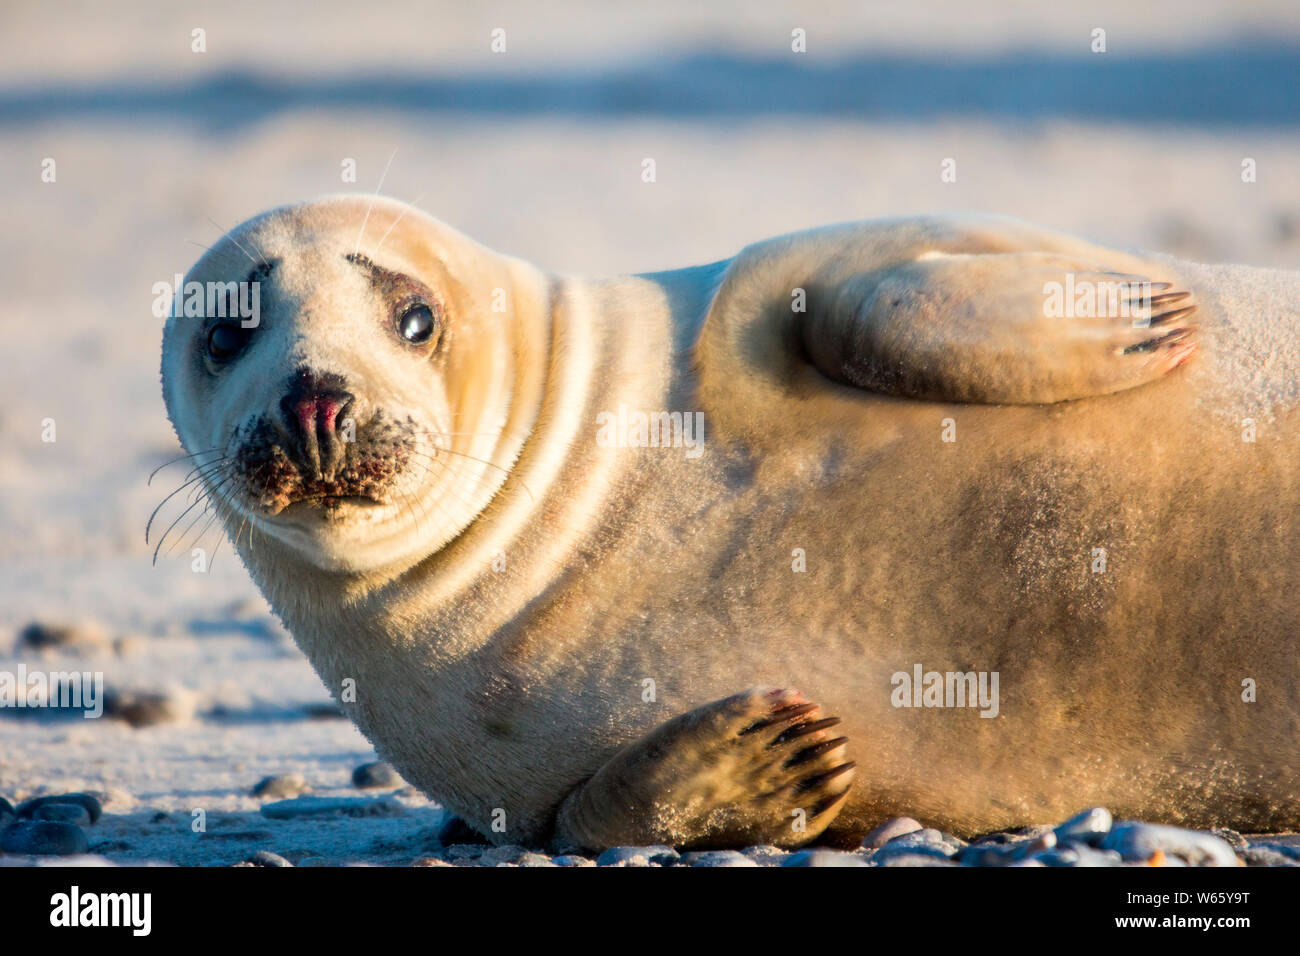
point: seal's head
(349, 399)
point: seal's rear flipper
(1004, 328)
(756, 768)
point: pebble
(73, 813)
(89, 802)
(496, 855)
(534, 859)
(84, 635)
(1231, 837)
(635, 855)
(572, 859)
(431, 861)
(1006, 854)
(304, 807)
(1078, 854)
(1141, 841)
(148, 708)
(914, 859)
(889, 830)
(1090, 827)
(465, 851)
(266, 858)
(765, 855)
(927, 842)
(1267, 855)
(823, 858)
(716, 858)
(43, 838)
(280, 786)
(376, 774)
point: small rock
(43, 838)
(496, 855)
(267, 858)
(572, 859)
(83, 635)
(73, 813)
(985, 854)
(1231, 837)
(718, 858)
(305, 807)
(633, 855)
(1078, 854)
(927, 842)
(373, 775)
(87, 801)
(280, 786)
(1267, 855)
(431, 861)
(913, 859)
(1090, 827)
(823, 858)
(465, 851)
(1141, 841)
(765, 855)
(148, 708)
(534, 859)
(889, 830)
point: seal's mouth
(279, 477)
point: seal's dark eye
(416, 323)
(226, 340)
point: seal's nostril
(312, 409)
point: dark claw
(780, 716)
(1171, 316)
(1169, 297)
(816, 750)
(820, 779)
(803, 730)
(1150, 345)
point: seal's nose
(314, 408)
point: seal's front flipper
(759, 767)
(1004, 328)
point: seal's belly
(1120, 566)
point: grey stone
(373, 775)
(765, 855)
(534, 859)
(87, 801)
(73, 813)
(267, 858)
(913, 859)
(496, 855)
(43, 838)
(465, 851)
(1078, 854)
(634, 855)
(305, 807)
(1267, 855)
(1090, 827)
(890, 830)
(144, 708)
(823, 858)
(1139, 841)
(718, 858)
(572, 859)
(280, 786)
(1006, 854)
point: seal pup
(539, 534)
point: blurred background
(536, 151)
